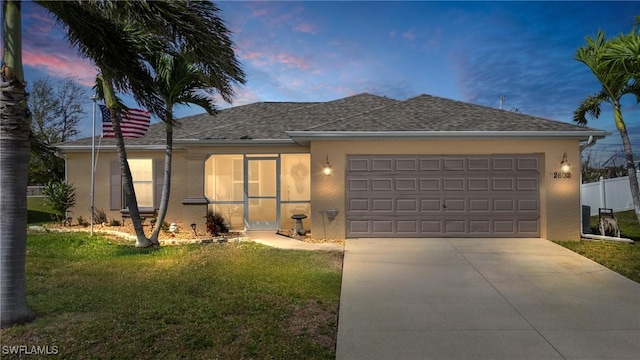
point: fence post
(603, 198)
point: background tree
(56, 110)
(616, 82)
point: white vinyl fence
(610, 193)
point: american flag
(133, 122)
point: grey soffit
(360, 115)
(443, 196)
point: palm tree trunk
(166, 187)
(628, 154)
(127, 180)
(131, 202)
(15, 147)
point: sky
(475, 52)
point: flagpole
(93, 164)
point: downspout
(593, 237)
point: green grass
(38, 211)
(100, 299)
(620, 257)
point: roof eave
(83, 148)
(304, 137)
(236, 142)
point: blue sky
(468, 51)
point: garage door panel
(480, 226)
(525, 205)
(455, 226)
(502, 164)
(407, 227)
(479, 205)
(434, 196)
(359, 227)
(381, 205)
(503, 205)
(453, 184)
(430, 164)
(358, 185)
(527, 184)
(430, 184)
(406, 205)
(479, 164)
(379, 184)
(358, 205)
(430, 205)
(455, 205)
(478, 184)
(358, 164)
(503, 184)
(410, 164)
(382, 226)
(528, 163)
(454, 164)
(406, 184)
(382, 165)
(504, 227)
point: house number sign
(561, 175)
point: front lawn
(98, 298)
(619, 257)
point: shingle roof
(363, 112)
(430, 113)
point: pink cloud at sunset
(61, 65)
(306, 28)
(292, 61)
(409, 35)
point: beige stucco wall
(187, 180)
(559, 202)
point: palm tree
(180, 82)
(111, 34)
(15, 131)
(209, 65)
(615, 84)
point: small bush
(99, 216)
(60, 196)
(114, 222)
(165, 226)
(216, 223)
(82, 221)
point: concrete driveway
(482, 299)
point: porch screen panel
(295, 189)
(224, 188)
(224, 178)
(295, 179)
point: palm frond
(590, 106)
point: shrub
(114, 222)
(82, 221)
(99, 216)
(60, 196)
(216, 223)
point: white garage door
(443, 196)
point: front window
(142, 176)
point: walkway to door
(482, 299)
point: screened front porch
(259, 191)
